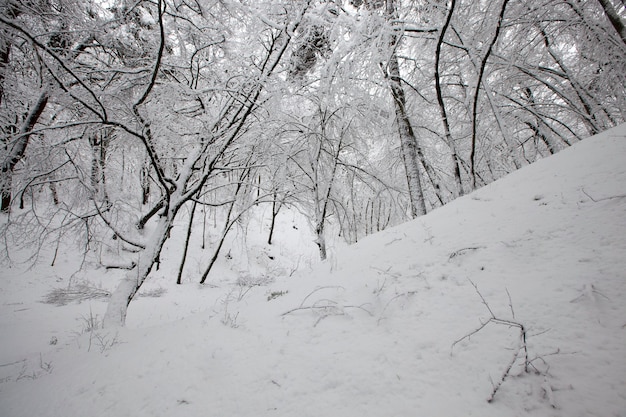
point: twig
(547, 388)
(389, 302)
(460, 251)
(497, 385)
(305, 308)
(13, 363)
(602, 199)
(332, 305)
(510, 323)
(318, 289)
(482, 298)
(510, 302)
(469, 335)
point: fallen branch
(128, 267)
(463, 250)
(382, 313)
(326, 306)
(522, 346)
(597, 200)
(506, 372)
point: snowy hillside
(378, 330)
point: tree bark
(442, 107)
(11, 11)
(227, 225)
(614, 18)
(195, 172)
(117, 308)
(17, 150)
(408, 141)
(186, 249)
(589, 117)
(479, 80)
(276, 206)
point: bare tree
(202, 161)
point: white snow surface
(369, 332)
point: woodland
(122, 118)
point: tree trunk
(11, 11)
(442, 108)
(614, 18)
(479, 80)
(145, 182)
(189, 229)
(117, 308)
(408, 141)
(227, 225)
(99, 142)
(589, 116)
(176, 193)
(17, 149)
(276, 206)
(320, 239)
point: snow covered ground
(372, 331)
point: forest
(121, 119)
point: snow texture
(368, 332)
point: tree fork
(481, 72)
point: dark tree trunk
(184, 258)
(276, 205)
(442, 108)
(481, 72)
(614, 18)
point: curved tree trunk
(117, 308)
(442, 108)
(479, 80)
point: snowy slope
(371, 332)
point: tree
(442, 106)
(410, 146)
(116, 115)
(17, 129)
(203, 159)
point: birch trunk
(408, 142)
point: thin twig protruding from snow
(510, 323)
(597, 200)
(510, 302)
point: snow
(369, 332)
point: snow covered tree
(116, 115)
